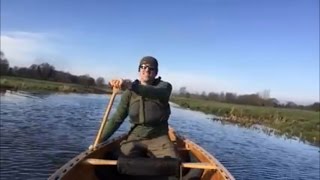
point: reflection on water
(2, 91)
(41, 132)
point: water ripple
(41, 132)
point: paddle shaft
(105, 117)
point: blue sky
(240, 46)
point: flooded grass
(18, 83)
(303, 124)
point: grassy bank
(289, 122)
(18, 83)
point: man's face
(147, 73)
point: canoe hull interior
(188, 152)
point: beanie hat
(149, 60)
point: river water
(41, 132)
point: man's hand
(121, 83)
(90, 147)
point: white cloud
(25, 48)
(197, 81)
(107, 72)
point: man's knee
(164, 148)
(133, 149)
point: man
(146, 101)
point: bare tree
(86, 80)
(4, 64)
(46, 70)
(100, 81)
(183, 90)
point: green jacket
(143, 127)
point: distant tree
(213, 96)
(22, 72)
(250, 99)
(183, 90)
(315, 106)
(2, 55)
(4, 64)
(15, 71)
(271, 102)
(34, 70)
(195, 95)
(46, 70)
(291, 104)
(91, 81)
(230, 97)
(222, 96)
(100, 81)
(86, 80)
(61, 76)
(10, 72)
(83, 79)
(203, 95)
(34, 67)
(74, 79)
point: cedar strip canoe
(101, 163)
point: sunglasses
(144, 67)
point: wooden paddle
(115, 90)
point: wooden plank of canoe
(200, 165)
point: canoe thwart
(194, 165)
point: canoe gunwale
(58, 174)
(195, 148)
(219, 167)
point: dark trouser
(158, 147)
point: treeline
(246, 99)
(45, 71)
